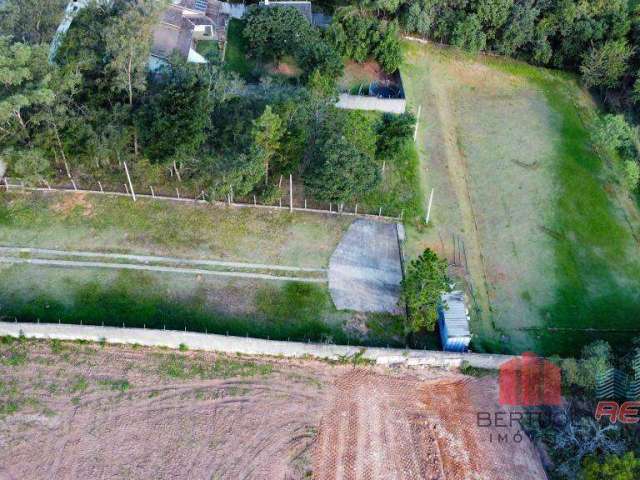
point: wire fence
(286, 202)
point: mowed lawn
(549, 237)
(106, 224)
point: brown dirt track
(79, 411)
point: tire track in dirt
(373, 416)
(458, 176)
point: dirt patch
(363, 73)
(68, 204)
(76, 410)
(85, 411)
(412, 427)
(285, 67)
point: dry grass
(506, 148)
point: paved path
(155, 259)
(248, 346)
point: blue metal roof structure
(453, 320)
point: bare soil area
(418, 427)
(77, 410)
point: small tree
(631, 174)
(341, 172)
(422, 289)
(268, 130)
(605, 66)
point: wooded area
(97, 107)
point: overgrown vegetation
(358, 35)
(579, 446)
(97, 108)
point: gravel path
(155, 259)
(129, 266)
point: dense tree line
(598, 39)
(97, 106)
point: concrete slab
(365, 270)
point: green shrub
(631, 174)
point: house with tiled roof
(182, 25)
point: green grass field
(550, 237)
(237, 306)
(242, 307)
(107, 224)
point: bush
(626, 467)
(631, 174)
(359, 36)
(393, 132)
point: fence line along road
(248, 346)
(49, 189)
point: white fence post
(290, 193)
(100, 185)
(153, 194)
(177, 192)
(126, 170)
(415, 133)
(429, 207)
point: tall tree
(425, 282)
(128, 43)
(175, 114)
(605, 66)
(341, 172)
(25, 78)
(268, 130)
